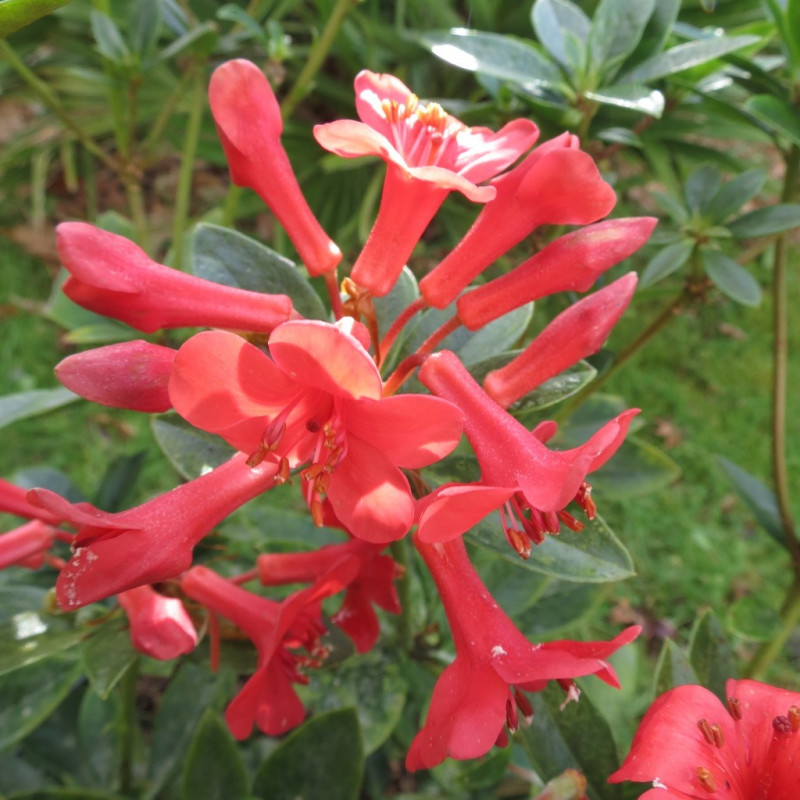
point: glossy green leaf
(322, 758)
(234, 13)
(701, 186)
(634, 98)
(29, 636)
(657, 31)
(637, 468)
(99, 725)
(766, 221)
(593, 556)
(372, 683)
(16, 14)
(107, 656)
(563, 604)
(145, 20)
(760, 500)
(673, 207)
(17, 774)
(389, 307)
(734, 194)
(666, 261)
(555, 23)
(191, 451)
(214, 769)
(22, 405)
(617, 28)
(731, 278)
(576, 736)
(118, 480)
(28, 696)
(198, 39)
(685, 56)
(711, 655)
(109, 40)
(672, 669)
(752, 618)
(497, 336)
(228, 257)
(492, 54)
(461, 778)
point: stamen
(283, 472)
(706, 779)
(570, 521)
(512, 718)
(735, 708)
(524, 705)
(705, 729)
(719, 738)
(794, 717)
(782, 726)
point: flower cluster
(315, 402)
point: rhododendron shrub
(359, 421)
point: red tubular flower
(575, 333)
(317, 398)
(541, 481)
(572, 262)
(690, 746)
(26, 545)
(110, 275)
(479, 693)
(14, 500)
(268, 699)
(374, 583)
(160, 626)
(428, 154)
(557, 184)
(152, 542)
(131, 375)
(249, 125)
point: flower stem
(770, 650)
(440, 334)
(397, 326)
(317, 54)
(184, 192)
(400, 555)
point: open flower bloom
(481, 691)
(428, 154)
(316, 400)
(152, 542)
(557, 184)
(111, 275)
(268, 699)
(373, 583)
(249, 124)
(514, 461)
(691, 746)
(160, 626)
(131, 375)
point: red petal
(454, 509)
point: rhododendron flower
(557, 184)
(572, 263)
(131, 375)
(249, 125)
(481, 691)
(160, 626)
(268, 699)
(514, 460)
(26, 545)
(692, 747)
(577, 332)
(112, 276)
(316, 399)
(152, 542)
(373, 583)
(428, 154)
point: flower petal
(452, 510)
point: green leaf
(108, 37)
(389, 307)
(373, 684)
(191, 451)
(107, 656)
(617, 27)
(118, 480)
(466, 777)
(493, 54)
(199, 39)
(28, 696)
(792, 32)
(214, 767)
(710, 654)
(575, 737)
(563, 604)
(734, 194)
(556, 22)
(22, 405)
(760, 500)
(234, 13)
(701, 186)
(29, 636)
(593, 556)
(637, 468)
(228, 257)
(766, 221)
(685, 56)
(634, 98)
(752, 618)
(66, 794)
(657, 31)
(323, 758)
(731, 278)
(666, 261)
(16, 14)
(497, 336)
(673, 207)
(673, 669)
(99, 726)
(145, 21)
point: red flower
(317, 398)
(152, 542)
(690, 746)
(26, 545)
(110, 275)
(516, 466)
(249, 125)
(268, 699)
(373, 583)
(557, 184)
(428, 154)
(160, 626)
(479, 693)
(131, 375)
(14, 500)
